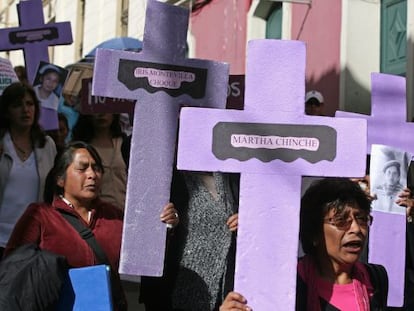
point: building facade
(346, 40)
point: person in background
(405, 198)
(201, 250)
(334, 223)
(73, 187)
(26, 155)
(21, 74)
(70, 113)
(60, 135)
(206, 241)
(314, 103)
(103, 131)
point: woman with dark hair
(103, 131)
(73, 187)
(26, 155)
(334, 222)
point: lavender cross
(272, 144)
(387, 125)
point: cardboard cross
(161, 79)
(387, 125)
(34, 36)
(272, 144)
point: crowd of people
(80, 171)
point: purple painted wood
(161, 79)
(387, 125)
(270, 190)
(33, 36)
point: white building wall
(256, 26)
(67, 54)
(101, 22)
(136, 18)
(360, 53)
(410, 60)
(9, 20)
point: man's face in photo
(392, 176)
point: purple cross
(272, 144)
(387, 125)
(161, 79)
(34, 36)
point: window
(394, 36)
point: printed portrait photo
(388, 172)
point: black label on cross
(153, 77)
(267, 142)
(33, 35)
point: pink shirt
(342, 296)
(355, 296)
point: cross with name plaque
(387, 125)
(272, 143)
(161, 79)
(34, 36)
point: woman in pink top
(335, 218)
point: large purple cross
(273, 144)
(34, 36)
(387, 125)
(161, 79)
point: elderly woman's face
(83, 178)
(345, 235)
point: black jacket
(31, 279)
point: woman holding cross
(72, 201)
(335, 218)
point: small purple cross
(34, 36)
(272, 144)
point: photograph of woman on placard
(48, 87)
(388, 170)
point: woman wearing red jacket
(72, 187)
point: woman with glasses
(335, 219)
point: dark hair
(199, 5)
(15, 92)
(61, 164)
(322, 196)
(62, 117)
(21, 73)
(313, 101)
(85, 131)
